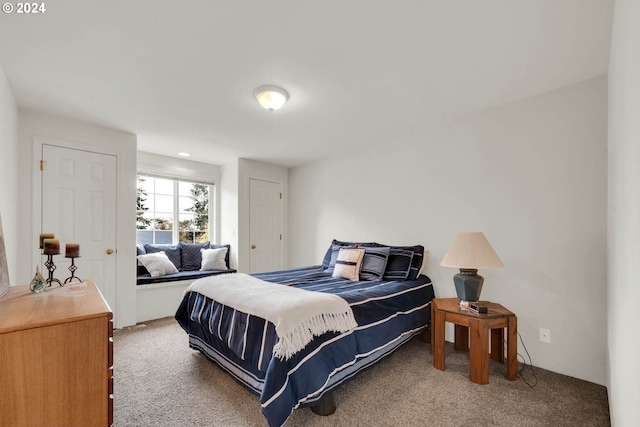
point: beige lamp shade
(471, 250)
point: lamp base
(468, 285)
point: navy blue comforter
(388, 314)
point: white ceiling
(181, 74)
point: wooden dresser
(56, 357)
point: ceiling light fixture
(271, 97)
(184, 154)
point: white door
(265, 225)
(79, 206)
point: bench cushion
(146, 279)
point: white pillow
(213, 259)
(348, 263)
(157, 263)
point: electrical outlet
(545, 335)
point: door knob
(253, 246)
(109, 251)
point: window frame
(213, 201)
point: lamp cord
(534, 382)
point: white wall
(531, 175)
(177, 167)
(229, 210)
(9, 194)
(624, 215)
(120, 144)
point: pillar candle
(51, 246)
(45, 236)
(72, 250)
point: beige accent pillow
(348, 263)
(424, 261)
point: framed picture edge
(4, 270)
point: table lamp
(470, 251)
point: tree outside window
(194, 212)
(142, 222)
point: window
(172, 211)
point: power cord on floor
(530, 382)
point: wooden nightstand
(495, 320)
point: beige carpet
(160, 381)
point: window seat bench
(158, 297)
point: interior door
(265, 225)
(79, 206)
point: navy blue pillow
(172, 252)
(416, 262)
(140, 251)
(191, 255)
(327, 256)
(398, 264)
(374, 263)
(226, 258)
(326, 261)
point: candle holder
(51, 267)
(72, 269)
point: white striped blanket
(297, 314)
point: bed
(388, 313)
